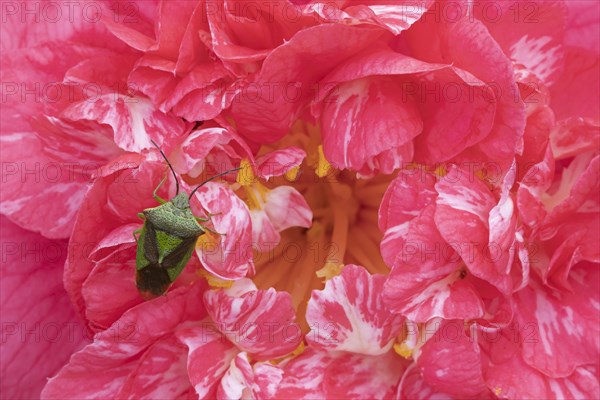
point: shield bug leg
(156, 196)
(211, 231)
(136, 232)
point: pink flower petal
(135, 121)
(450, 361)
(356, 126)
(286, 208)
(318, 374)
(40, 329)
(560, 328)
(412, 386)
(131, 350)
(267, 107)
(349, 314)
(462, 216)
(259, 322)
(278, 162)
(209, 357)
(245, 381)
(231, 256)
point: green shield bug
(167, 239)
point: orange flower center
(344, 226)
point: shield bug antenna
(170, 167)
(210, 179)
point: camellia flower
(397, 199)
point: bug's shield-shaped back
(166, 243)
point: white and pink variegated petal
(319, 374)
(304, 375)
(502, 219)
(209, 357)
(259, 322)
(574, 136)
(349, 314)
(395, 17)
(357, 376)
(230, 256)
(190, 156)
(577, 191)
(106, 365)
(448, 298)
(279, 162)
(356, 123)
(249, 382)
(267, 378)
(532, 186)
(135, 120)
(266, 120)
(450, 361)
(33, 171)
(423, 274)
(560, 329)
(413, 387)
(161, 373)
(286, 208)
(264, 234)
(403, 201)
(462, 216)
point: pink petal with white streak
(510, 377)
(231, 256)
(403, 201)
(462, 217)
(259, 322)
(349, 314)
(318, 374)
(135, 121)
(243, 380)
(561, 327)
(357, 121)
(286, 208)
(278, 162)
(356, 376)
(209, 357)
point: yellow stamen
(497, 391)
(317, 229)
(441, 171)
(403, 350)
(214, 281)
(245, 176)
(292, 174)
(299, 350)
(323, 166)
(330, 270)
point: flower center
(344, 229)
